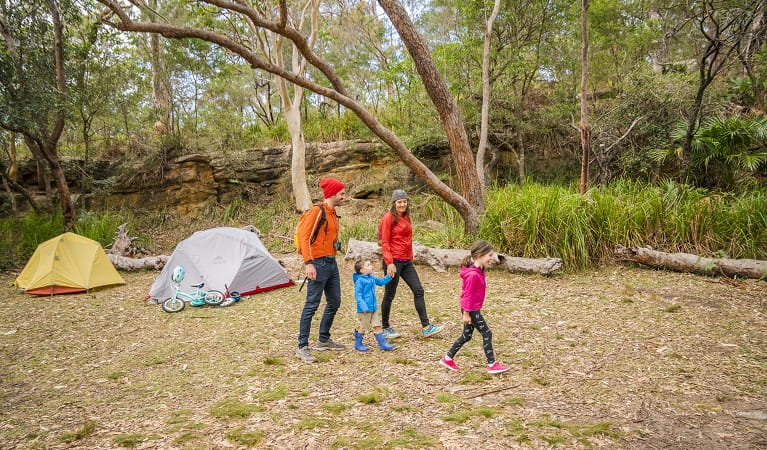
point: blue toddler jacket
(365, 291)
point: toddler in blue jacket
(367, 306)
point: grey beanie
(398, 194)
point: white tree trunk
(298, 157)
(485, 114)
(293, 107)
(440, 259)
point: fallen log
(440, 259)
(133, 264)
(686, 262)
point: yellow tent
(65, 264)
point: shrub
(537, 221)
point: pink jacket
(473, 288)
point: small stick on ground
(494, 391)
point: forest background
(666, 118)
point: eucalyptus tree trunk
(585, 130)
(293, 114)
(486, 90)
(160, 88)
(450, 115)
(521, 159)
(292, 106)
(11, 175)
(11, 185)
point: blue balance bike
(198, 297)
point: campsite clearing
(615, 358)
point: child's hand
(466, 317)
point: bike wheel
(214, 298)
(173, 305)
(227, 302)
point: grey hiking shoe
(305, 355)
(329, 345)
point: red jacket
(396, 241)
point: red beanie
(330, 187)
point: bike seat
(199, 285)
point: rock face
(187, 183)
(193, 181)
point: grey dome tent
(226, 259)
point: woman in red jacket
(396, 236)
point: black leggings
(406, 271)
(478, 322)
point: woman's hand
(391, 270)
(466, 317)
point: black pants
(478, 322)
(406, 271)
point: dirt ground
(614, 358)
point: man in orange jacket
(319, 253)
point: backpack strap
(321, 219)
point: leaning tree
(469, 201)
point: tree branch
(607, 150)
(338, 93)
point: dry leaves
(618, 357)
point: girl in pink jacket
(472, 298)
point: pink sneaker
(449, 363)
(497, 367)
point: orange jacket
(327, 234)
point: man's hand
(311, 272)
(391, 270)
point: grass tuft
(180, 416)
(273, 361)
(278, 393)
(116, 375)
(234, 408)
(443, 397)
(458, 416)
(129, 440)
(88, 428)
(245, 438)
(475, 377)
(188, 436)
(334, 407)
(410, 438)
(371, 397)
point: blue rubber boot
(383, 344)
(358, 345)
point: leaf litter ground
(614, 358)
